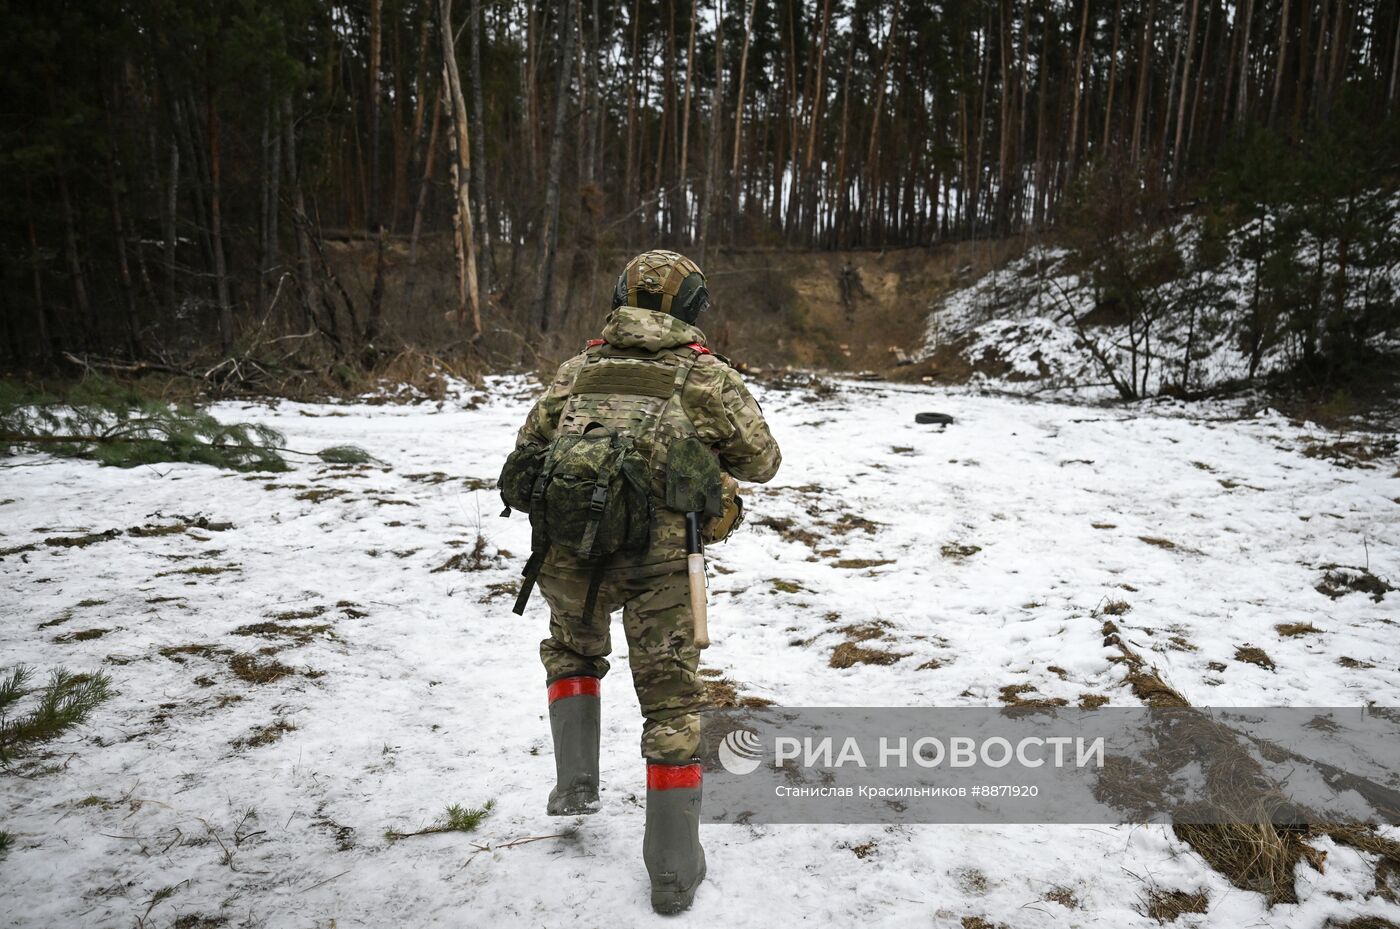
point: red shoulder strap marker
(699, 348)
(594, 343)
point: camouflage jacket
(713, 404)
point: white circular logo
(741, 752)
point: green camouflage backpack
(588, 492)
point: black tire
(933, 419)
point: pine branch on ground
(12, 688)
(104, 422)
(457, 819)
(65, 701)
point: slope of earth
(307, 660)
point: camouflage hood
(633, 327)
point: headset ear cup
(619, 297)
(695, 304)
(692, 299)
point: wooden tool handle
(695, 569)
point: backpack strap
(529, 575)
(599, 500)
(590, 601)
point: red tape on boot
(673, 776)
(582, 686)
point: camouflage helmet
(665, 281)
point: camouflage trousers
(660, 650)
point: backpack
(588, 492)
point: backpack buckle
(599, 499)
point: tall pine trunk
(707, 193)
(373, 221)
(468, 296)
(550, 237)
(1077, 91)
(216, 226)
(486, 264)
(1185, 91)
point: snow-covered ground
(985, 552)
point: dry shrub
(248, 668)
(1181, 644)
(723, 693)
(287, 616)
(1362, 922)
(1147, 685)
(1255, 656)
(1262, 854)
(1253, 856)
(1340, 580)
(1129, 785)
(264, 735)
(790, 531)
(1166, 905)
(1258, 856)
(850, 522)
(1146, 682)
(865, 849)
(426, 373)
(85, 635)
(1064, 896)
(864, 632)
(849, 654)
(299, 635)
(1292, 629)
(176, 653)
(857, 563)
(1013, 695)
(972, 881)
(1352, 453)
(980, 922)
(474, 560)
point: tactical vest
(592, 491)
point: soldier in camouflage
(655, 305)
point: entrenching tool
(694, 486)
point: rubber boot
(671, 848)
(574, 711)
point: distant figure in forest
(626, 465)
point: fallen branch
(457, 819)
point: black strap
(595, 581)
(529, 574)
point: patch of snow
(1005, 534)
(1029, 306)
